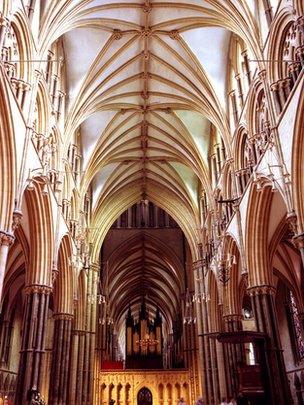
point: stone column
(86, 343)
(234, 107)
(6, 240)
(60, 359)
(262, 298)
(210, 377)
(80, 335)
(73, 367)
(92, 330)
(268, 11)
(33, 342)
(233, 352)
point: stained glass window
(296, 327)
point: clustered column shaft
(263, 305)
(33, 342)
(60, 359)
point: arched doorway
(144, 396)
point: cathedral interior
(151, 201)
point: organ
(144, 339)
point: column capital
(261, 290)
(55, 273)
(79, 332)
(298, 241)
(63, 316)
(38, 289)
(6, 238)
(4, 21)
(232, 317)
(17, 218)
(274, 86)
(262, 74)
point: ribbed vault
(143, 266)
(145, 95)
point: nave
(151, 201)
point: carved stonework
(117, 34)
(79, 332)
(6, 238)
(37, 289)
(292, 223)
(63, 317)
(298, 241)
(55, 273)
(233, 317)
(146, 32)
(147, 7)
(17, 217)
(174, 34)
(261, 290)
(126, 385)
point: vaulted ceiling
(143, 263)
(146, 96)
(146, 89)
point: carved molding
(298, 241)
(37, 289)
(17, 218)
(63, 317)
(233, 317)
(261, 290)
(6, 239)
(117, 34)
(55, 273)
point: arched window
(216, 156)
(55, 77)
(295, 327)
(239, 78)
(75, 156)
(290, 62)
(261, 125)
(246, 160)
(14, 62)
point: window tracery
(12, 55)
(261, 135)
(296, 328)
(248, 159)
(239, 79)
(54, 74)
(291, 55)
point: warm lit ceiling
(146, 90)
(146, 85)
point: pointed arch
(64, 285)
(297, 168)
(42, 234)
(256, 234)
(8, 171)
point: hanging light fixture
(147, 341)
(189, 318)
